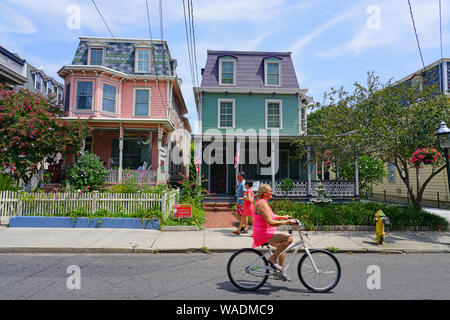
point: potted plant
(425, 156)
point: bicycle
(318, 270)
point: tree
(384, 121)
(370, 171)
(31, 129)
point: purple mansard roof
(250, 69)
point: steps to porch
(220, 214)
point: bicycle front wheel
(248, 269)
(319, 272)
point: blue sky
(333, 43)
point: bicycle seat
(265, 244)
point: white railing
(140, 176)
(333, 189)
(32, 204)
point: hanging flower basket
(425, 156)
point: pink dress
(249, 207)
(262, 232)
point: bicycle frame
(262, 271)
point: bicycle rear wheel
(329, 271)
(247, 269)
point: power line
(195, 47)
(415, 31)
(188, 44)
(440, 25)
(98, 10)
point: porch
(220, 173)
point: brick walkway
(220, 215)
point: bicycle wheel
(247, 269)
(329, 271)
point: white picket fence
(31, 204)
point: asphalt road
(203, 276)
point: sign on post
(182, 211)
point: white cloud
(395, 30)
(15, 22)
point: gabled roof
(250, 69)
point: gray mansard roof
(250, 69)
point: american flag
(238, 152)
(197, 157)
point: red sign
(182, 211)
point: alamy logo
(74, 19)
(374, 280)
(374, 20)
(74, 280)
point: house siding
(396, 191)
(250, 111)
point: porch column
(323, 170)
(272, 153)
(356, 177)
(308, 160)
(120, 153)
(158, 168)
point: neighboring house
(393, 188)
(17, 73)
(13, 69)
(130, 91)
(252, 98)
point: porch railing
(140, 176)
(333, 188)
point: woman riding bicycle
(265, 224)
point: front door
(218, 178)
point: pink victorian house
(130, 92)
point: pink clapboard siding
(124, 95)
(158, 97)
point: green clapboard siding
(250, 111)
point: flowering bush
(31, 128)
(425, 156)
(87, 173)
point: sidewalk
(55, 240)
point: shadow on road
(263, 291)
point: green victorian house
(250, 104)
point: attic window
(227, 70)
(142, 60)
(96, 56)
(272, 72)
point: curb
(198, 250)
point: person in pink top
(249, 198)
(265, 224)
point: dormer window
(272, 71)
(38, 81)
(227, 70)
(49, 87)
(96, 56)
(142, 60)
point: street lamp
(443, 134)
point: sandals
(237, 232)
(280, 269)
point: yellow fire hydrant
(381, 221)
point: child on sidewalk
(249, 197)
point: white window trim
(219, 101)
(93, 94)
(116, 97)
(149, 101)
(228, 59)
(40, 81)
(265, 73)
(136, 55)
(280, 102)
(53, 87)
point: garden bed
(358, 215)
